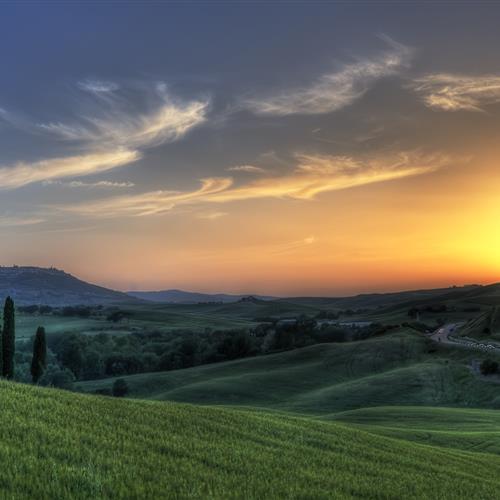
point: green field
(398, 368)
(56, 444)
(464, 429)
(143, 318)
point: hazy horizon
(249, 292)
(142, 151)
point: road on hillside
(442, 336)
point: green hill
(401, 368)
(464, 429)
(55, 444)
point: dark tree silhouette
(8, 338)
(39, 360)
(1, 350)
(120, 388)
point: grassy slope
(465, 429)
(395, 369)
(55, 444)
(145, 317)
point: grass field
(55, 444)
(400, 368)
(143, 318)
(464, 429)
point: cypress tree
(8, 338)
(39, 361)
(1, 350)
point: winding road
(442, 336)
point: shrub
(57, 377)
(120, 388)
(488, 367)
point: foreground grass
(55, 444)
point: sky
(286, 148)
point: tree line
(8, 346)
(75, 357)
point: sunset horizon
(252, 166)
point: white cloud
(334, 90)
(81, 184)
(251, 169)
(21, 174)
(312, 175)
(110, 140)
(449, 92)
(167, 121)
(98, 86)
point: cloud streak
(312, 175)
(335, 90)
(98, 86)
(17, 221)
(250, 169)
(22, 174)
(168, 120)
(81, 184)
(111, 140)
(447, 92)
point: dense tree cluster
(61, 359)
(71, 356)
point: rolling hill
(56, 444)
(183, 297)
(49, 286)
(400, 368)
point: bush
(57, 377)
(120, 388)
(488, 367)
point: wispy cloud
(251, 169)
(98, 86)
(311, 176)
(292, 246)
(17, 221)
(334, 90)
(22, 174)
(168, 120)
(81, 184)
(113, 138)
(449, 92)
(151, 203)
(211, 215)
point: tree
(70, 353)
(1, 350)
(8, 338)
(120, 388)
(54, 376)
(39, 361)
